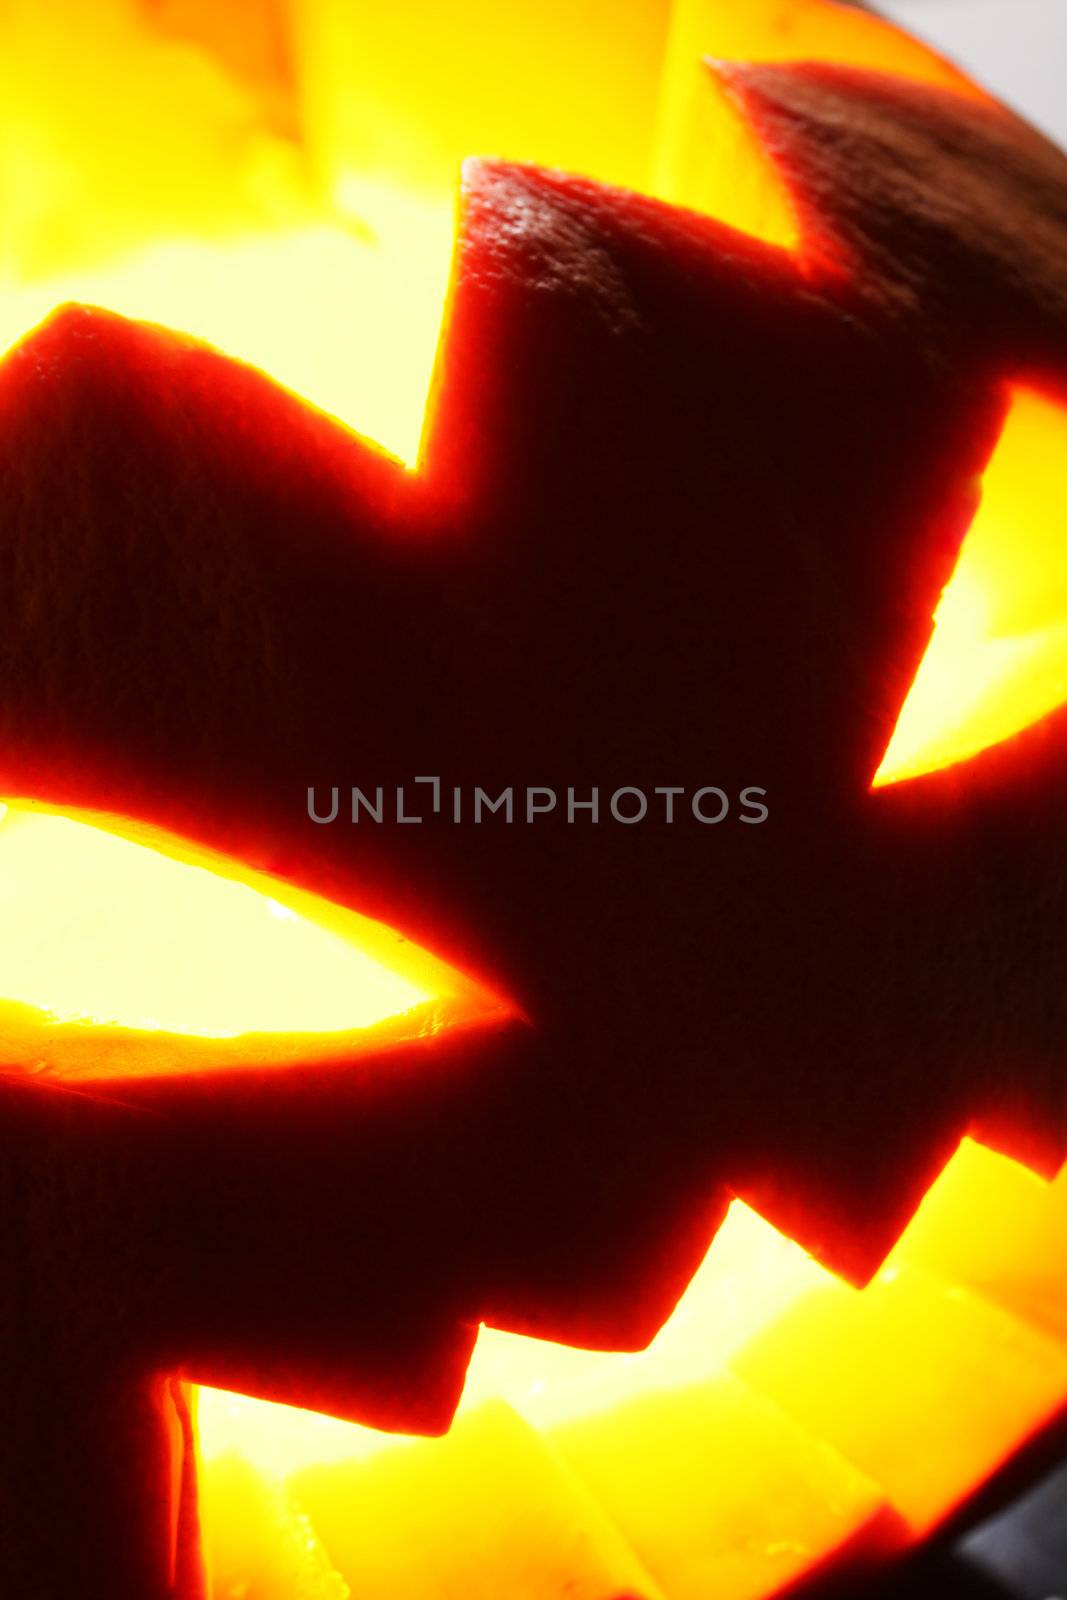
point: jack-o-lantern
(430, 897)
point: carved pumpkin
(689, 495)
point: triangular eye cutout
(997, 661)
(119, 956)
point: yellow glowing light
(184, 206)
(375, 307)
(952, 1357)
(94, 928)
(997, 661)
(408, 92)
(313, 238)
(316, 244)
(109, 947)
(750, 1275)
(731, 1452)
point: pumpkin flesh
(222, 649)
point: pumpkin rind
(686, 510)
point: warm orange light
(406, 93)
(929, 1378)
(138, 174)
(119, 955)
(778, 1417)
(997, 661)
(749, 1277)
(312, 238)
(317, 249)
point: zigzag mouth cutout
(745, 1356)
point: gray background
(1018, 48)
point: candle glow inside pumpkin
(256, 209)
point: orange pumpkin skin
(686, 511)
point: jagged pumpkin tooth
(686, 511)
(949, 212)
(709, 155)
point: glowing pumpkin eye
(997, 662)
(99, 933)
